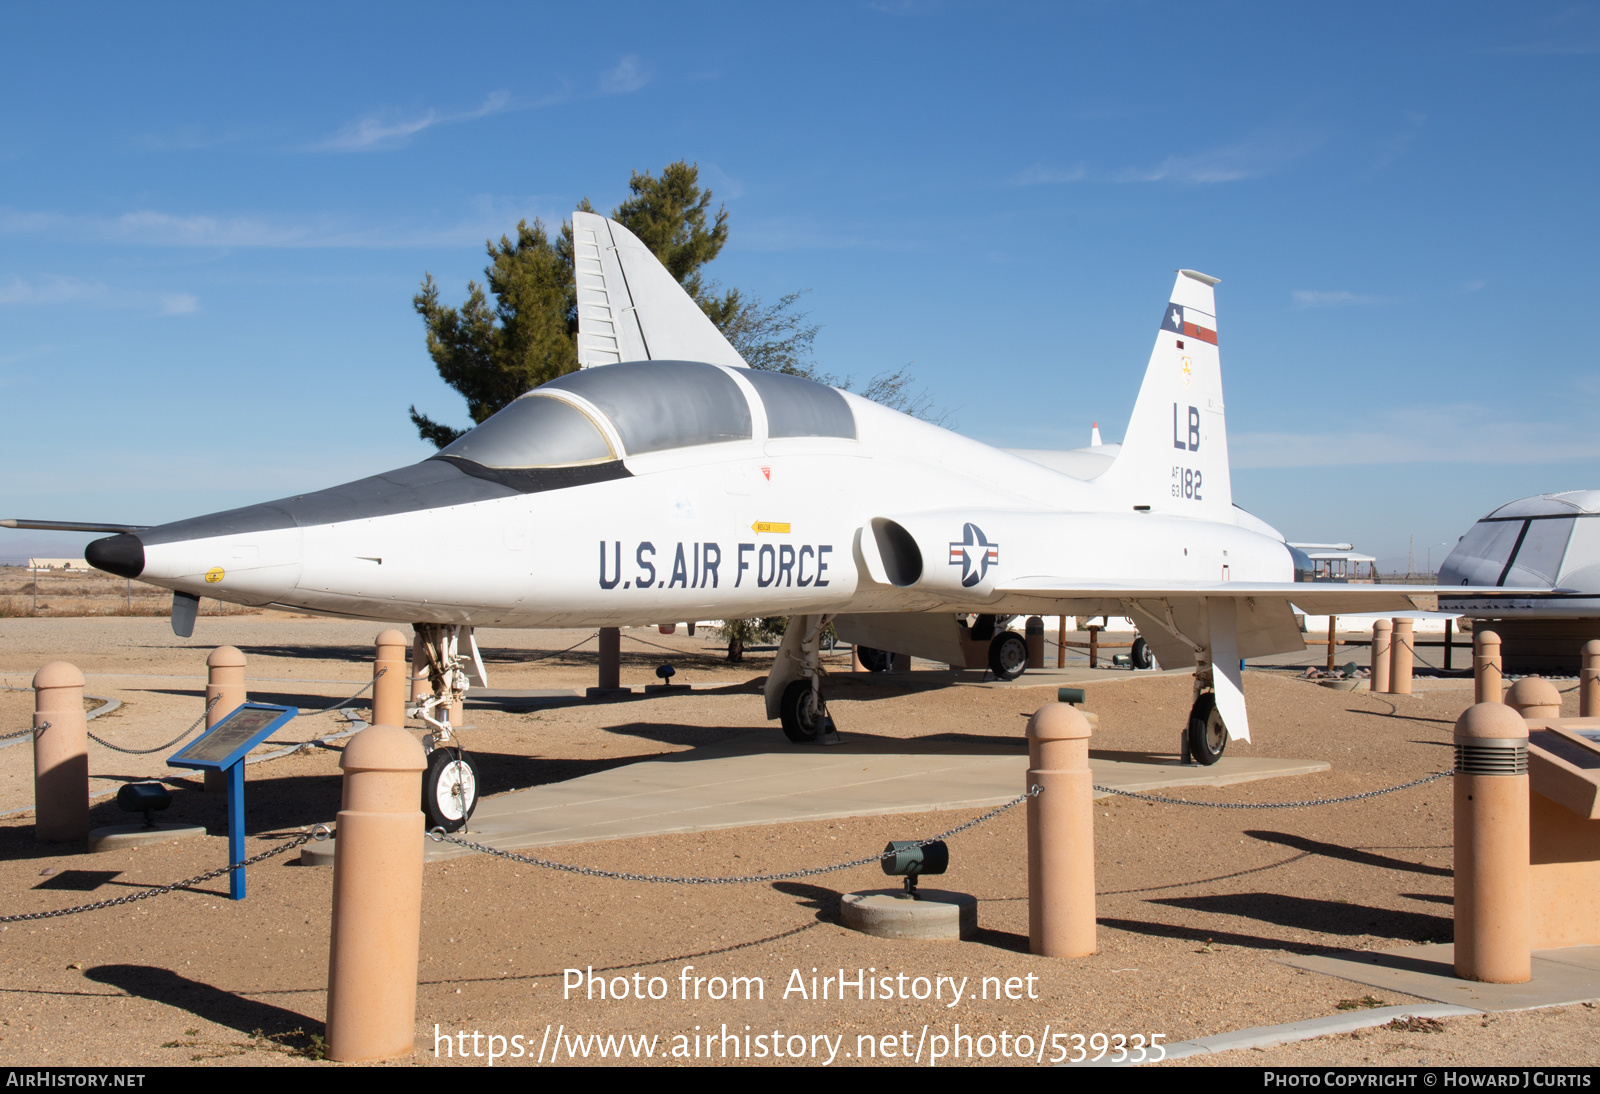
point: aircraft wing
(1313, 598)
(1224, 621)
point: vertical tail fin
(1174, 457)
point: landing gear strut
(794, 687)
(450, 784)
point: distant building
(1332, 562)
(63, 564)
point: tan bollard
(1061, 919)
(1493, 881)
(60, 755)
(1380, 654)
(855, 660)
(377, 898)
(1400, 657)
(1534, 697)
(225, 683)
(389, 672)
(1486, 667)
(1061, 641)
(1589, 681)
(1033, 634)
(610, 658)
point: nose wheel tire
(1008, 655)
(803, 713)
(1141, 657)
(449, 789)
(1208, 737)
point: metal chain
(439, 835)
(681, 653)
(35, 730)
(215, 699)
(1272, 805)
(346, 702)
(163, 889)
(558, 653)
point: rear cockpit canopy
(650, 406)
(1533, 542)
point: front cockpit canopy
(533, 431)
(652, 406)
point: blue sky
(212, 223)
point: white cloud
(1310, 298)
(487, 218)
(1041, 175)
(53, 290)
(1254, 156)
(628, 75)
(386, 130)
(1431, 434)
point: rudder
(1174, 457)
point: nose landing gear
(450, 784)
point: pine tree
(491, 355)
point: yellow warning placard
(780, 527)
(213, 575)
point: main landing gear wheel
(804, 714)
(1141, 657)
(874, 660)
(1207, 735)
(1008, 655)
(449, 789)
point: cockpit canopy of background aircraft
(650, 406)
(1537, 542)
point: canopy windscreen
(533, 431)
(657, 405)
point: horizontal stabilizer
(69, 526)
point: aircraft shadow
(1322, 916)
(1349, 854)
(201, 1000)
(769, 739)
(308, 702)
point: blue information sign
(223, 747)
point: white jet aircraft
(666, 480)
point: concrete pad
(1288, 1032)
(934, 915)
(119, 837)
(1560, 977)
(742, 783)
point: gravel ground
(1194, 904)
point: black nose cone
(121, 555)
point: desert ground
(1195, 905)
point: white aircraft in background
(666, 480)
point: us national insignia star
(974, 554)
